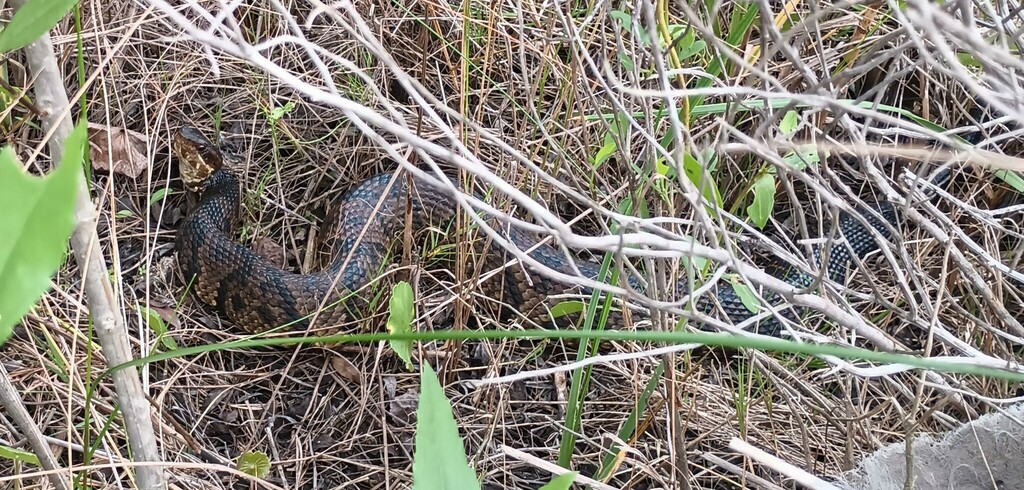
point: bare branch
(10, 400)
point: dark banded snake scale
(257, 295)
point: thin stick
(12, 402)
(797, 474)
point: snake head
(198, 158)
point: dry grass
(523, 82)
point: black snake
(256, 295)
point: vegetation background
(742, 125)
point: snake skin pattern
(257, 296)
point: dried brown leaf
(403, 408)
(117, 150)
(346, 369)
(167, 313)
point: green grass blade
(767, 344)
(628, 429)
(12, 454)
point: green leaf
(36, 222)
(968, 59)
(789, 122)
(626, 206)
(677, 31)
(31, 21)
(13, 454)
(637, 413)
(277, 113)
(158, 326)
(623, 18)
(561, 482)
(695, 172)
(158, 195)
(805, 154)
(440, 458)
(663, 169)
(563, 308)
(747, 297)
(1012, 178)
(764, 199)
(688, 46)
(697, 263)
(400, 320)
(626, 22)
(254, 463)
(604, 153)
(618, 127)
(697, 47)
(58, 364)
(627, 62)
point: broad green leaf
(561, 482)
(663, 169)
(789, 122)
(626, 62)
(626, 207)
(618, 127)
(968, 59)
(440, 458)
(747, 297)
(31, 21)
(254, 463)
(626, 22)
(677, 31)
(698, 263)
(12, 454)
(400, 320)
(764, 199)
(36, 222)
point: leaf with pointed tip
(764, 200)
(35, 226)
(400, 320)
(32, 20)
(440, 459)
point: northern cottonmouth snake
(256, 295)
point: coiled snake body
(256, 295)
